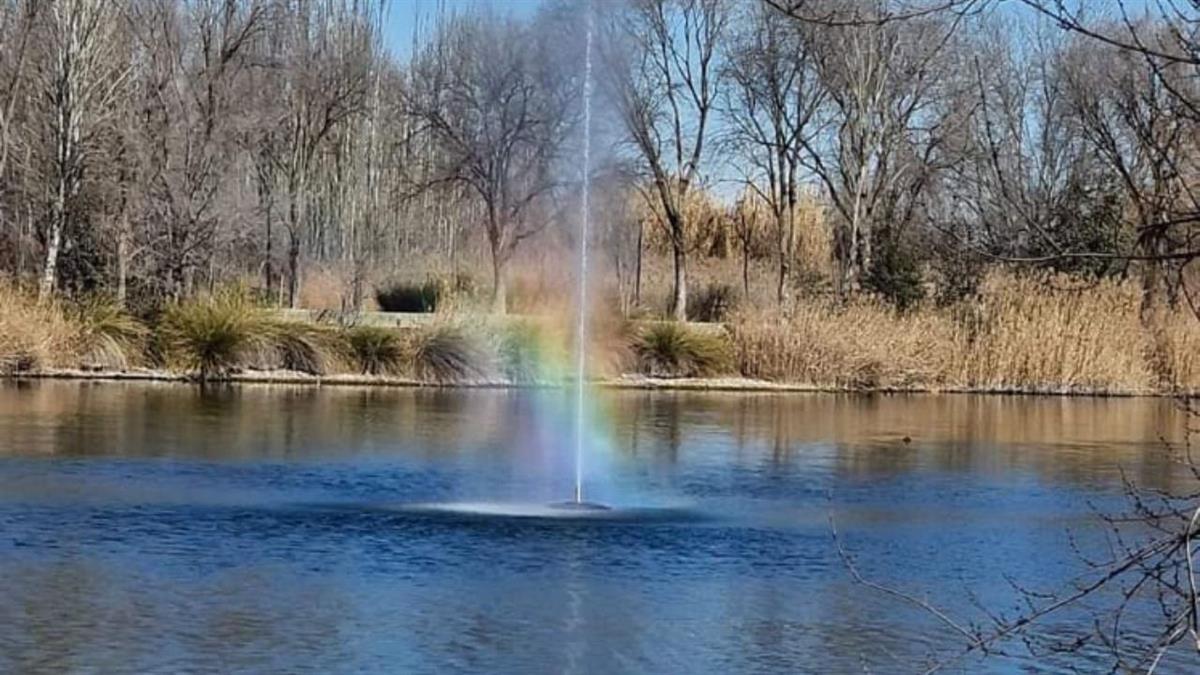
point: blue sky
(403, 16)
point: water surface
(164, 528)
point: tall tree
(77, 80)
(884, 81)
(774, 100)
(664, 77)
(325, 78)
(195, 57)
(487, 92)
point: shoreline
(624, 382)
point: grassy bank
(1034, 335)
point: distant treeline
(153, 149)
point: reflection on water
(164, 528)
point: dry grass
(1051, 334)
(34, 336)
(1177, 354)
(1023, 334)
(313, 348)
(864, 345)
(110, 337)
(448, 354)
(376, 350)
(214, 335)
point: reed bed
(1030, 334)
(865, 345)
(1052, 335)
(1177, 353)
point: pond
(168, 528)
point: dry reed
(1023, 333)
(1051, 334)
(33, 335)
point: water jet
(582, 296)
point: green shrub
(895, 273)
(213, 335)
(377, 351)
(674, 350)
(110, 336)
(446, 354)
(304, 347)
(409, 297)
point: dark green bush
(409, 297)
(895, 274)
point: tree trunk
(785, 243)
(293, 270)
(1152, 282)
(297, 182)
(267, 262)
(295, 192)
(746, 265)
(619, 263)
(499, 288)
(679, 300)
(637, 273)
(50, 269)
(122, 263)
(26, 230)
(356, 285)
(866, 256)
(58, 217)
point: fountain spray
(581, 327)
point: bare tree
(486, 90)
(16, 26)
(663, 62)
(774, 99)
(1137, 102)
(17, 22)
(1026, 181)
(77, 81)
(194, 58)
(325, 80)
(745, 217)
(1145, 135)
(885, 82)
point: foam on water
(569, 510)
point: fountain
(578, 503)
(576, 507)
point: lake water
(165, 528)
